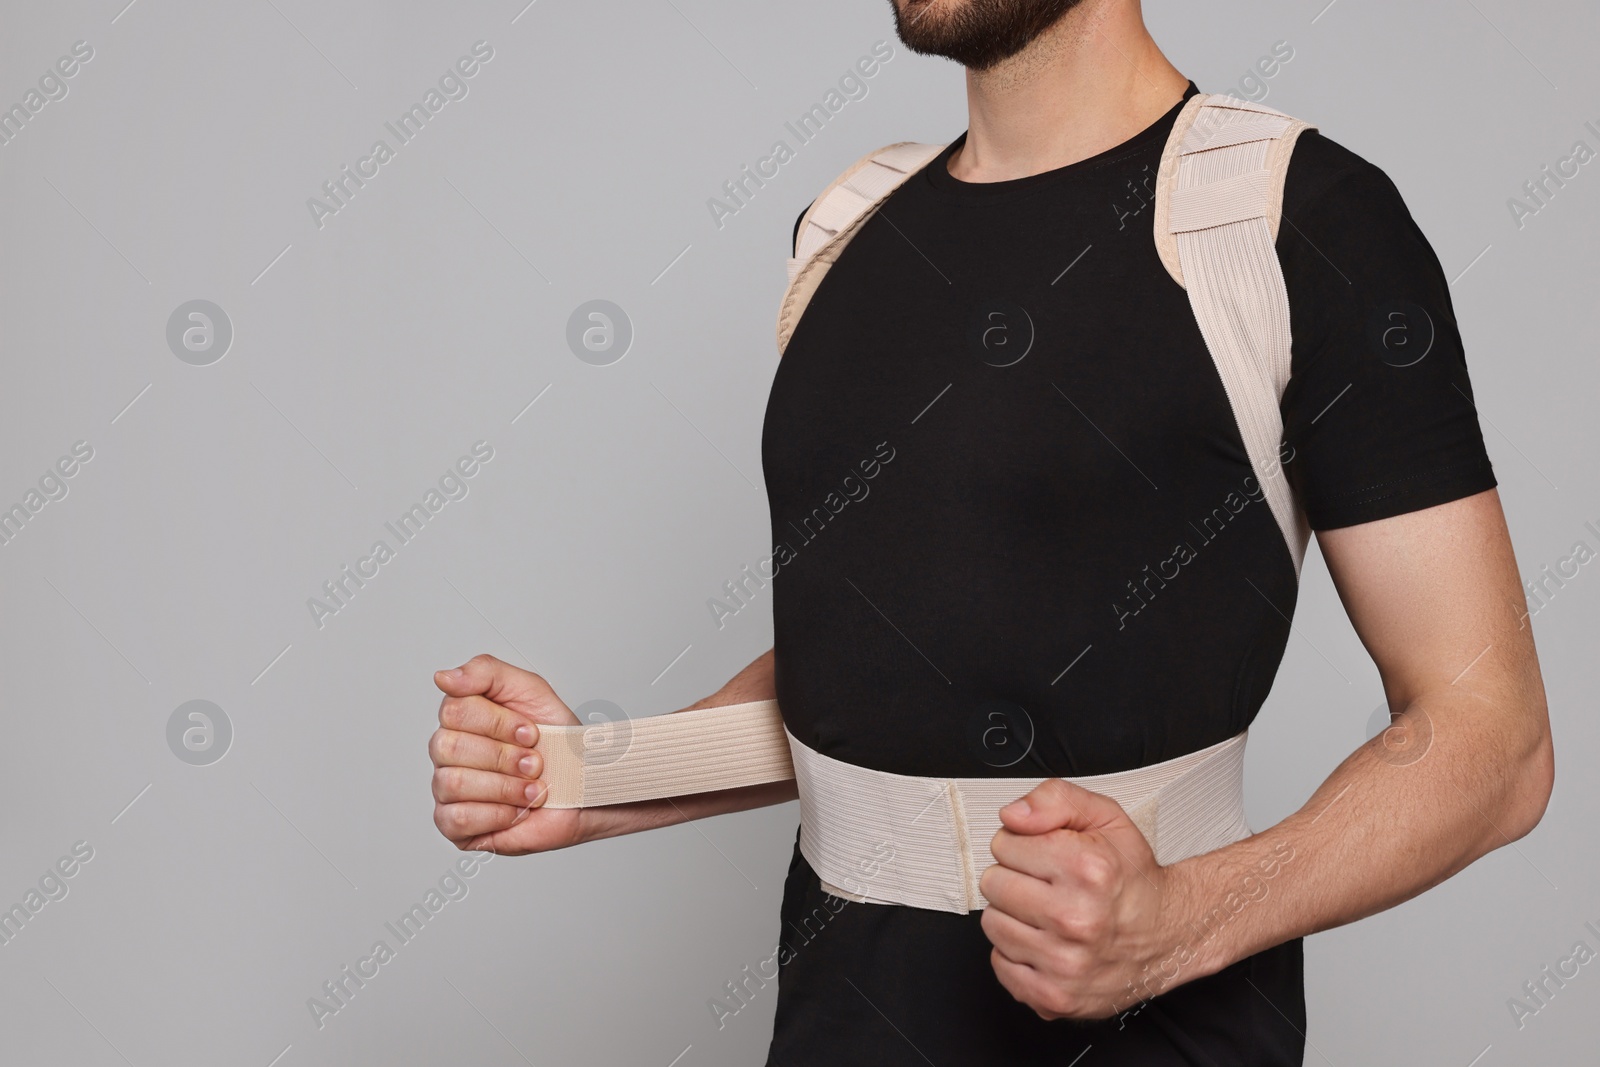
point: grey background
(369, 354)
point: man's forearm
(1398, 816)
(754, 682)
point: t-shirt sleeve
(1378, 414)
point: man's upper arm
(1436, 598)
(1387, 457)
(1378, 415)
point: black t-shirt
(1055, 521)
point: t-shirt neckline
(937, 173)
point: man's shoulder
(1321, 168)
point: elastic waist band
(881, 838)
(873, 836)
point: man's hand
(486, 773)
(1078, 906)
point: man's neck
(1092, 81)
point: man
(1073, 536)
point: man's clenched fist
(486, 773)
(1078, 907)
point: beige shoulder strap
(836, 215)
(1219, 196)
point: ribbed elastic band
(664, 755)
(882, 838)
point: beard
(976, 33)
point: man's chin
(978, 34)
